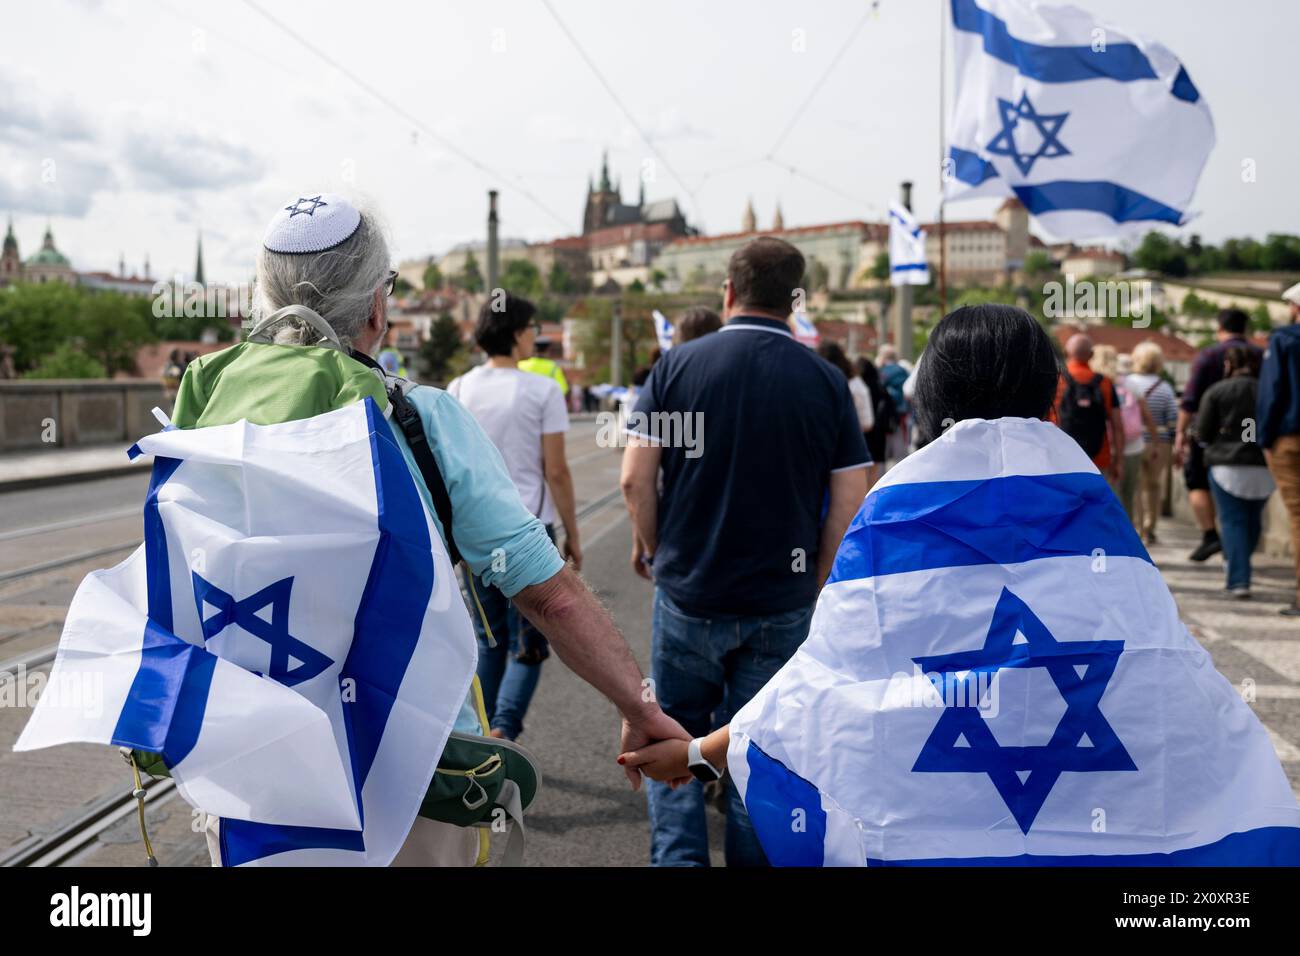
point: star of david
(292, 661)
(310, 210)
(1049, 130)
(1083, 741)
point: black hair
(985, 361)
(1234, 321)
(870, 376)
(765, 274)
(832, 353)
(499, 320)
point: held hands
(645, 733)
(665, 761)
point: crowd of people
(739, 541)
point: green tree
(112, 328)
(470, 278)
(559, 281)
(880, 268)
(67, 361)
(657, 279)
(438, 355)
(36, 318)
(1038, 264)
(522, 278)
(432, 278)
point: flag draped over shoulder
(907, 265)
(290, 637)
(1098, 134)
(996, 674)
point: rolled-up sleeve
(499, 538)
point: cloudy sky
(133, 124)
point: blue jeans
(508, 683)
(1239, 524)
(700, 665)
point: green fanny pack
(479, 782)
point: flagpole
(943, 158)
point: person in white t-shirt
(526, 418)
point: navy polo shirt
(745, 478)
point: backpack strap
(408, 419)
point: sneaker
(1241, 593)
(1207, 549)
(1292, 611)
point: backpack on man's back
(1082, 413)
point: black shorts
(1195, 473)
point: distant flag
(907, 264)
(297, 651)
(996, 675)
(663, 331)
(1098, 134)
(805, 331)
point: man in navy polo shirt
(764, 466)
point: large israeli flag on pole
(1098, 134)
(907, 265)
(996, 675)
(290, 637)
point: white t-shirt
(862, 402)
(516, 409)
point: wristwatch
(700, 768)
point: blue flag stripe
(1266, 846)
(1110, 199)
(786, 811)
(921, 526)
(1124, 62)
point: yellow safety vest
(546, 368)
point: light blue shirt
(499, 538)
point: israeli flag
(289, 636)
(996, 675)
(663, 331)
(1098, 134)
(907, 264)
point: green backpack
(480, 781)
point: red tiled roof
(630, 232)
(1125, 338)
(876, 230)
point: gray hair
(338, 283)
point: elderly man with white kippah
(1278, 413)
(323, 274)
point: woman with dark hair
(965, 372)
(884, 415)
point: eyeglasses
(390, 281)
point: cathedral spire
(778, 221)
(748, 222)
(604, 171)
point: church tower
(748, 222)
(778, 221)
(11, 265)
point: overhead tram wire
(627, 113)
(403, 113)
(798, 113)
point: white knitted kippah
(312, 224)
